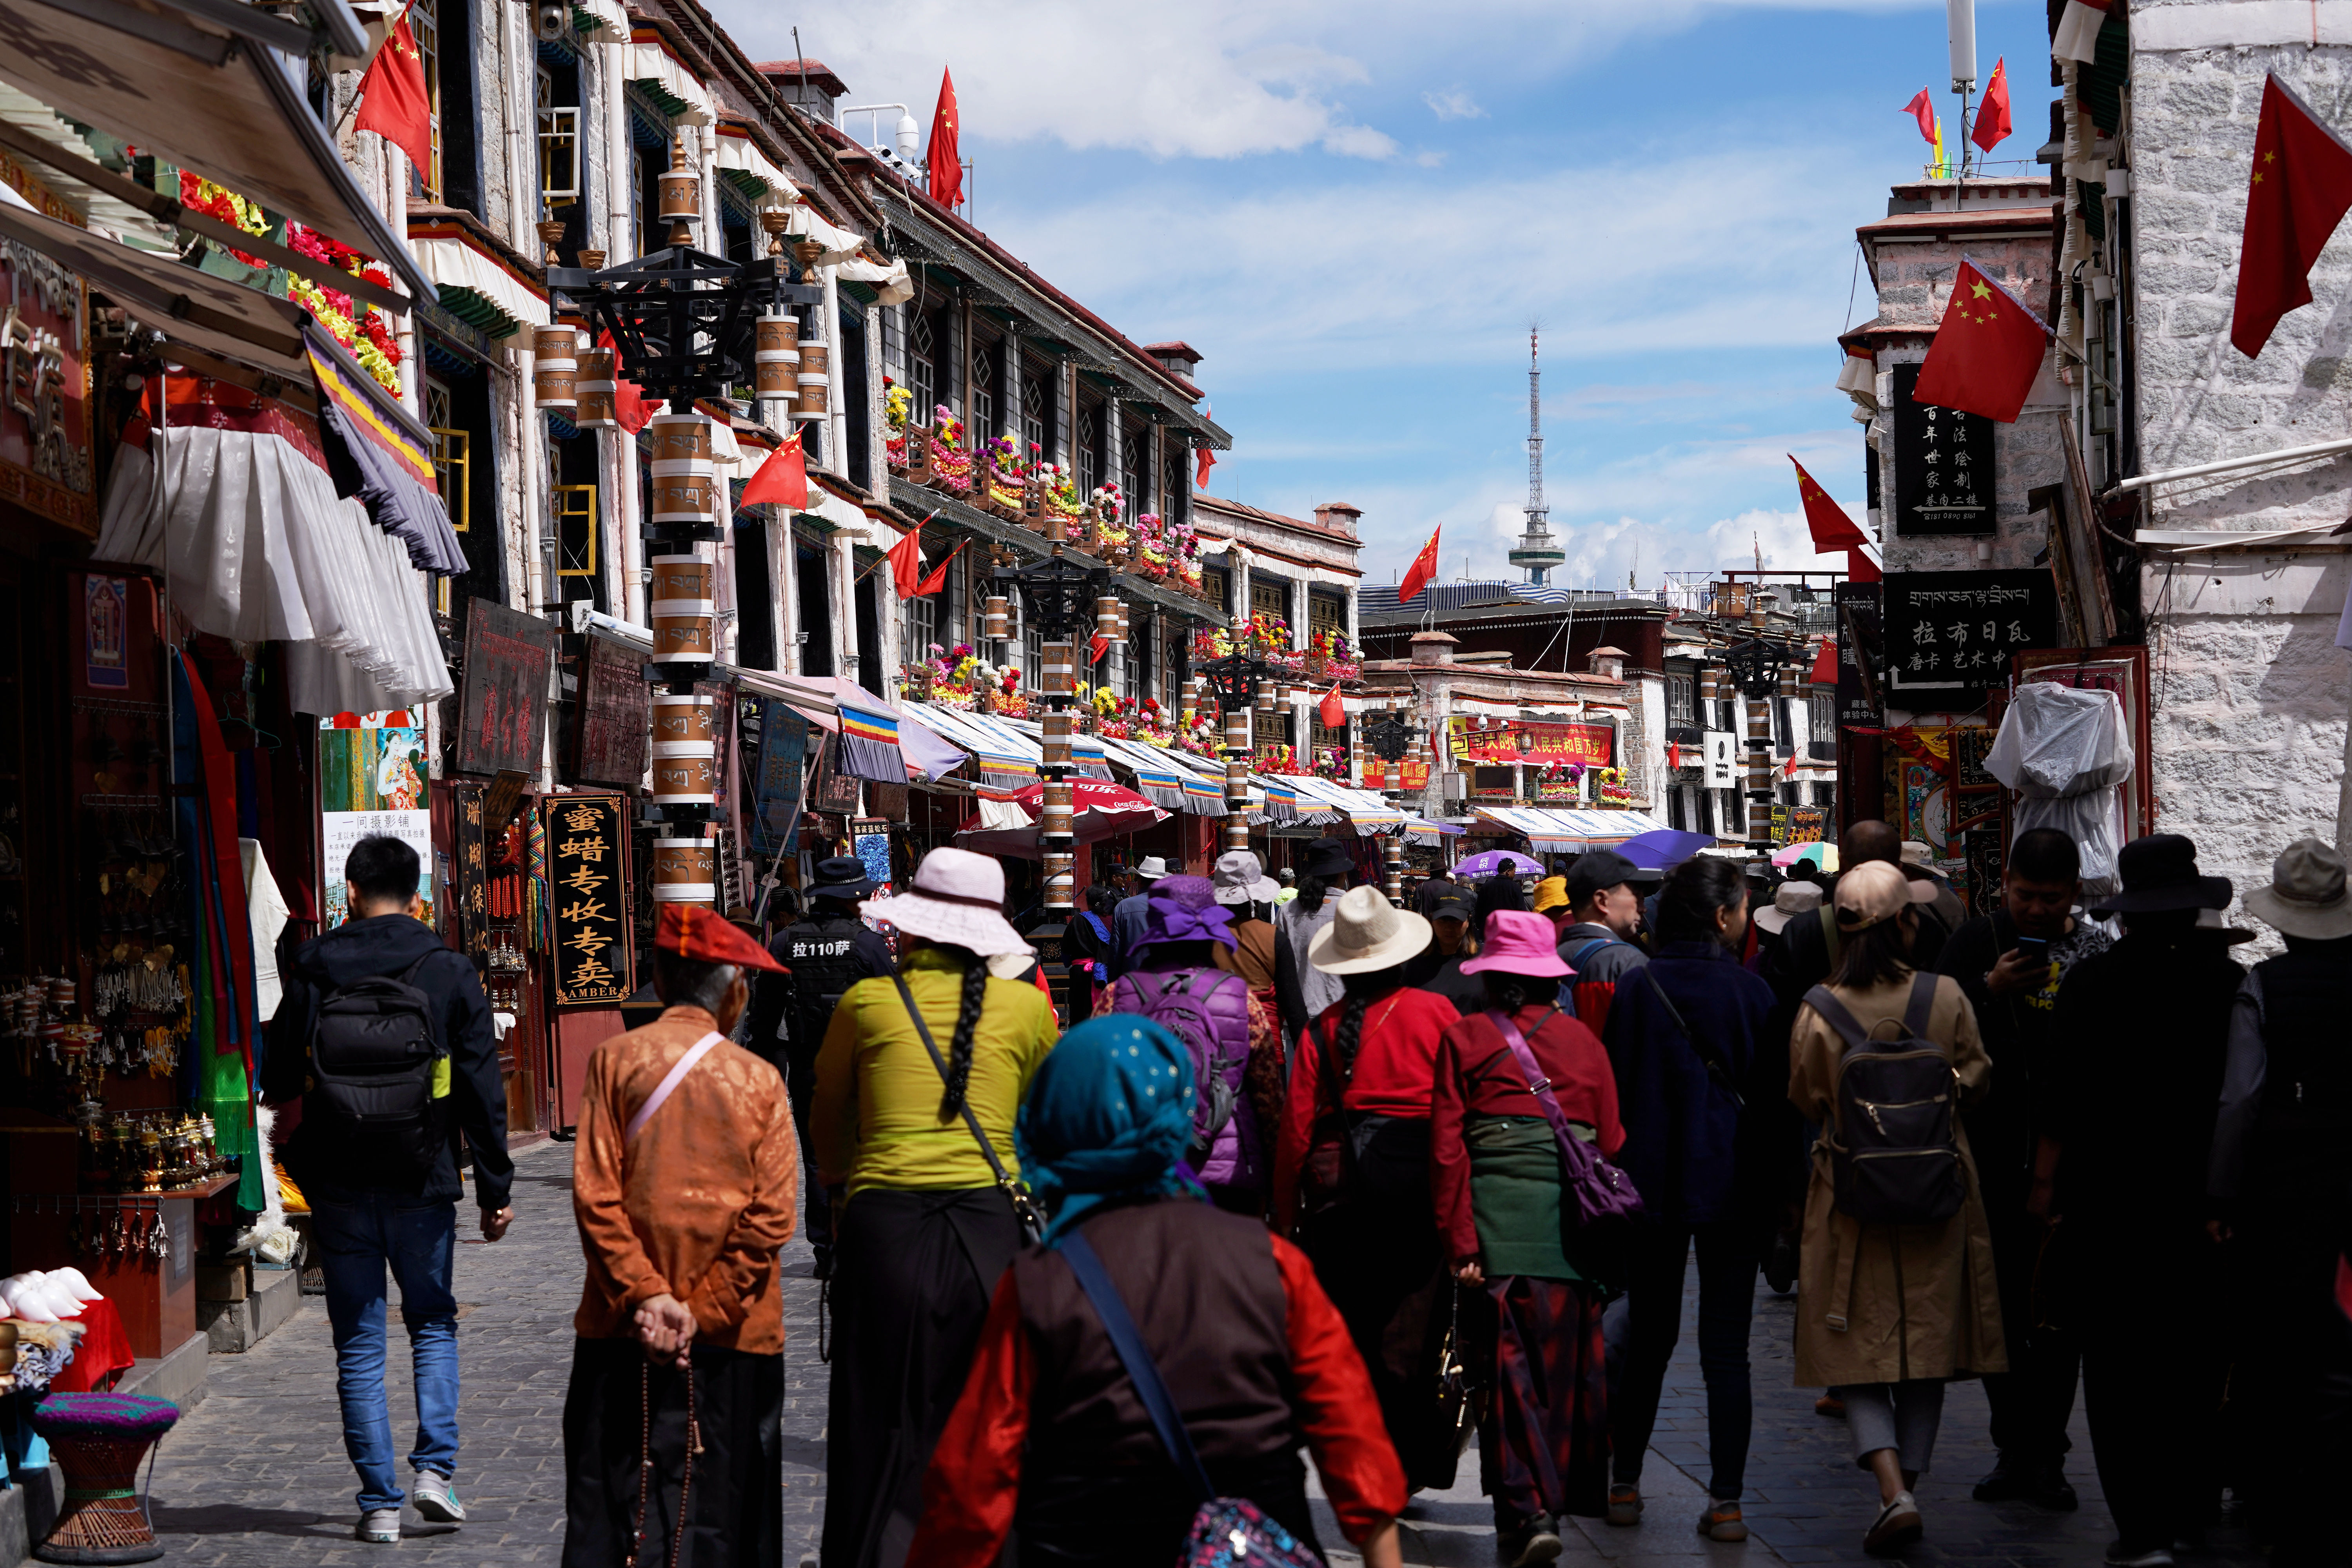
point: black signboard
(1861, 697)
(472, 870)
(615, 714)
(1949, 632)
(1943, 466)
(502, 720)
(775, 800)
(587, 864)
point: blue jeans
(1653, 1322)
(357, 1233)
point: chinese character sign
(587, 861)
(1861, 657)
(615, 712)
(1943, 466)
(372, 781)
(1594, 745)
(1955, 631)
(502, 719)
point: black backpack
(1894, 1152)
(379, 1079)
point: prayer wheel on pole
(555, 368)
(685, 473)
(598, 386)
(683, 608)
(815, 381)
(1058, 725)
(776, 361)
(686, 870)
(1059, 665)
(678, 198)
(996, 620)
(1393, 867)
(1107, 617)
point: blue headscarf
(1109, 1115)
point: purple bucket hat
(1184, 909)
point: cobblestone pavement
(256, 1477)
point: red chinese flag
(907, 564)
(1788, 768)
(392, 96)
(1993, 115)
(1825, 662)
(1861, 568)
(1833, 529)
(782, 479)
(1098, 650)
(1675, 757)
(2300, 189)
(1423, 568)
(1923, 110)
(938, 577)
(946, 163)
(1988, 349)
(629, 404)
(1333, 712)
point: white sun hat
(958, 898)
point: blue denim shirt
(1682, 1128)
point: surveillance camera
(549, 19)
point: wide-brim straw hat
(1789, 899)
(958, 898)
(1367, 934)
(2308, 895)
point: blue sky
(1353, 211)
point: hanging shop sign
(588, 871)
(778, 781)
(1721, 749)
(1861, 657)
(1943, 466)
(1808, 823)
(836, 791)
(1952, 632)
(611, 727)
(472, 870)
(372, 781)
(502, 722)
(45, 411)
(871, 834)
(1594, 745)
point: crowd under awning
(1560, 827)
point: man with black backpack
(1605, 910)
(385, 1035)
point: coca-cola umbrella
(1007, 824)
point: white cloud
(1454, 104)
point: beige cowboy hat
(1789, 899)
(1367, 934)
(2307, 895)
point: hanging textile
(869, 745)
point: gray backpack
(1894, 1150)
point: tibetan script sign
(502, 722)
(1861, 657)
(1943, 465)
(615, 714)
(588, 871)
(1594, 745)
(1949, 632)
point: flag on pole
(938, 577)
(1989, 349)
(1206, 458)
(906, 562)
(1832, 528)
(1423, 568)
(1098, 650)
(781, 480)
(1861, 568)
(2077, 34)
(1992, 116)
(1332, 710)
(1825, 664)
(1675, 757)
(1788, 768)
(2299, 191)
(393, 101)
(946, 163)
(1922, 109)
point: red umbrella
(1098, 810)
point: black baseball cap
(1597, 870)
(1451, 906)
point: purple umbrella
(1664, 849)
(1492, 862)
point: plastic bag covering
(2065, 748)
(256, 546)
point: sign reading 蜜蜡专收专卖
(1955, 631)
(588, 869)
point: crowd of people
(1309, 1169)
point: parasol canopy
(1007, 824)
(1494, 862)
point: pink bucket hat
(957, 897)
(1520, 942)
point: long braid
(968, 1010)
(1361, 992)
(1507, 993)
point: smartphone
(2036, 949)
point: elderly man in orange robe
(685, 1181)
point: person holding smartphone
(2010, 961)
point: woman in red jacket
(1351, 1168)
(1494, 1162)
(1050, 1444)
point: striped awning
(1560, 827)
(1005, 757)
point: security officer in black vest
(827, 952)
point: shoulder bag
(1592, 1191)
(1226, 1531)
(1024, 1207)
(1716, 1067)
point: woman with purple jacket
(1173, 979)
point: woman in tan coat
(1887, 1313)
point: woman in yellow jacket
(1887, 1313)
(915, 1070)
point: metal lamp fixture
(1236, 678)
(1059, 598)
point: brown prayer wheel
(597, 388)
(996, 620)
(1059, 664)
(1056, 819)
(683, 781)
(815, 384)
(683, 497)
(1061, 880)
(1107, 617)
(675, 578)
(776, 361)
(685, 480)
(1059, 725)
(680, 193)
(686, 870)
(680, 718)
(555, 367)
(681, 438)
(687, 639)
(1237, 730)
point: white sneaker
(436, 1499)
(380, 1526)
(1898, 1526)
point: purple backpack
(1208, 1009)
(1591, 1190)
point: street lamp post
(1059, 596)
(1236, 678)
(1391, 738)
(1755, 668)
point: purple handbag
(1593, 1190)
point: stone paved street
(256, 1477)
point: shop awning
(177, 82)
(670, 83)
(1370, 813)
(485, 291)
(1006, 757)
(1555, 827)
(1421, 830)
